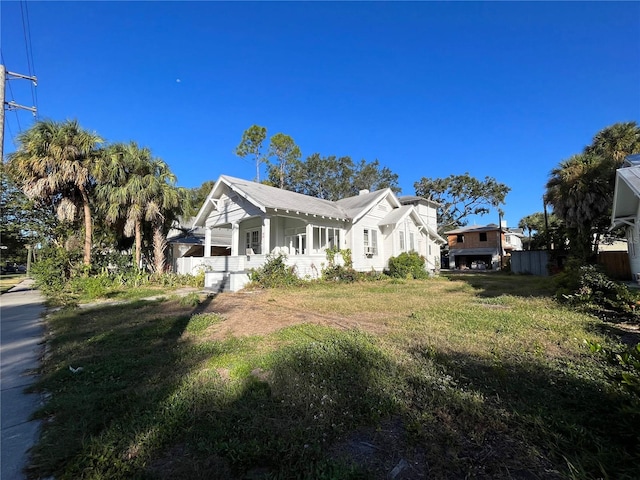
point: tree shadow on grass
(152, 404)
(544, 420)
(496, 284)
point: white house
(626, 208)
(262, 220)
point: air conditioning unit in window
(369, 251)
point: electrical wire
(26, 29)
(12, 96)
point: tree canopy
(333, 178)
(580, 189)
(59, 167)
(251, 145)
(287, 155)
(460, 196)
(55, 162)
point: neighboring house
(482, 247)
(626, 208)
(264, 220)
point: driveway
(21, 347)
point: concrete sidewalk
(21, 348)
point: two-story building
(261, 220)
(482, 247)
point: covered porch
(302, 240)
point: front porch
(231, 273)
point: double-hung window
(370, 241)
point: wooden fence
(616, 265)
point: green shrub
(626, 363)
(339, 273)
(588, 287)
(372, 276)
(408, 265)
(52, 271)
(274, 273)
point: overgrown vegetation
(275, 273)
(63, 280)
(589, 288)
(408, 265)
(470, 376)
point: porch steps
(219, 286)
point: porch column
(207, 241)
(235, 239)
(309, 242)
(266, 236)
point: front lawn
(10, 280)
(467, 376)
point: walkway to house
(21, 348)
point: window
(483, 236)
(412, 245)
(252, 241)
(370, 242)
(460, 238)
(401, 241)
(325, 237)
(296, 240)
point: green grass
(10, 280)
(470, 376)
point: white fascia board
(204, 211)
(376, 201)
(248, 198)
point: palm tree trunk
(159, 246)
(138, 232)
(87, 227)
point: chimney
(363, 192)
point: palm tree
(580, 194)
(163, 202)
(122, 188)
(137, 188)
(55, 162)
(535, 221)
(615, 142)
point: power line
(13, 98)
(26, 29)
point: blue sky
(500, 89)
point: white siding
(370, 221)
(233, 209)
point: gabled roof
(356, 207)
(265, 196)
(397, 215)
(413, 199)
(626, 195)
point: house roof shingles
(272, 197)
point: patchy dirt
(256, 312)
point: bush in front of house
(408, 265)
(274, 273)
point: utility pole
(4, 76)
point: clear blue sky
(504, 89)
